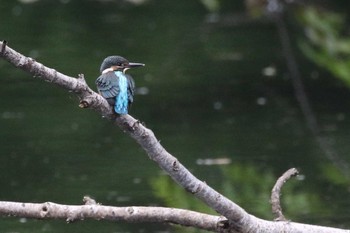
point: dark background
(216, 85)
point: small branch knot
(3, 47)
(176, 165)
(132, 127)
(130, 210)
(195, 190)
(81, 77)
(223, 223)
(84, 104)
(89, 201)
(45, 209)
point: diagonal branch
(76, 85)
(238, 220)
(136, 130)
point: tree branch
(134, 214)
(136, 130)
(276, 192)
(238, 220)
(77, 85)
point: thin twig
(276, 193)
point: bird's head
(113, 63)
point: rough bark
(276, 192)
(70, 213)
(237, 219)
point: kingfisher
(115, 85)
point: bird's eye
(119, 64)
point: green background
(215, 85)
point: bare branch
(70, 213)
(76, 85)
(139, 214)
(238, 220)
(276, 192)
(136, 130)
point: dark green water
(204, 94)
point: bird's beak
(134, 64)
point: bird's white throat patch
(107, 70)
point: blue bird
(115, 85)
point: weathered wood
(237, 219)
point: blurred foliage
(249, 187)
(205, 63)
(173, 195)
(325, 42)
(211, 5)
(333, 175)
(255, 8)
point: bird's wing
(107, 85)
(131, 88)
